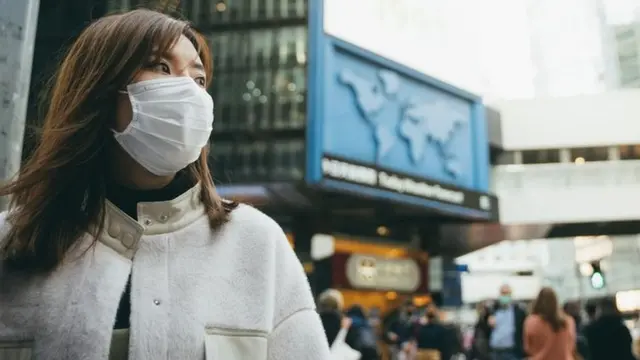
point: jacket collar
(122, 233)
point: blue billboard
(382, 130)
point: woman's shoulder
(534, 320)
(265, 246)
(254, 225)
(257, 235)
(253, 233)
(244, 213)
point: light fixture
(585, 269)
(579, 160)
(597, 277)
(221, 6)
(382, 230)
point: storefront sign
(375, 273)
(377, 177)
(378, 126)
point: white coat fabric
(340, 350)
(238, 292)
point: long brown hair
(546, 306)
(59, 194)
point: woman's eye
(161, 67)
(201, 81)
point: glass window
(261, 43)
(580, 155)
(264, 9)
(629, 152)
(263, 79)
(625, 33)
(213, 12)
(222, 51)
(260, 86)
(540, 156)
(244, 57)
(222, 101)
(191, 9)
(288, 160)
(503, 157)
(221, 159)
(124, 5)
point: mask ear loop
(123, 92)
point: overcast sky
(621, 11)
(570, 52)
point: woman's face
(182, 60)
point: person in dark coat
(398, 328)
(330, 305)
(433, 336)
(582, 345)
(363, 334)
(506, 324)
(481, 331)
(607, 336)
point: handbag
(340, 350)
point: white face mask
(171, 123)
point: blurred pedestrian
(331, 307)
(114, 219)
(399, 328)
(608, 337)
(549, 333)
(590, 309)
(481, 331)
(506, 327)
(365, 335)
(432, 337)
(582, 346)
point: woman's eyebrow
(195, 64)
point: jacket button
(156, 302)
(164, 218)
(128, 240)
(114, 230)
(147, 222)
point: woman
(549, 334)
(115, 222)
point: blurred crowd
(505, 330)
(406, 333)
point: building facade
(569, 163)
(570, 57)
(628, 54)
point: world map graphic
(420, 122)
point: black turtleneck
(127, 200)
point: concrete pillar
(18, 23)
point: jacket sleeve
(297, 332)
(299, 337)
